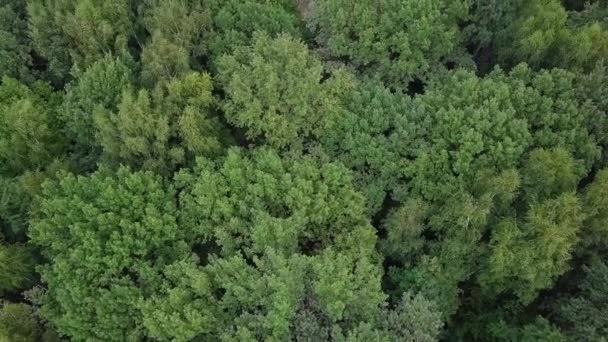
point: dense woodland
(321, 170)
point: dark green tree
(541, 36)
(16, 268)
(78, 33)
(395, 41)
(594, 198)
(235, 21)
(375, 137)
(583, 315)
(15, 43)
(179, 32)
(30, 136)
(18, 323)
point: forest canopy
(303, 170)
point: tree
(179, 33)
(541, 36)
(487, 21)
(556, 118)
(547, 174)
(15, 44)
(29, 128)
(538, 330)
(236, 21)
(374, 137)
(437, 266)
(466, 124)
(592, 94)
(292, 241)
(282, 297)
(162, 130)
(18, 323)
(583, 315)
(274, 90)
(527, 255)
(104, 236)
(249, 203)
(98, 88)
(16, 268)
(594, 200)
(78, 33)
(395, 41)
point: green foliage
(261, 299)
(404, 227)
(437, 266)
(103, 236)
(548, 173)
(592, 92)
(235, 21)
(374, 138)
(541, 36)
(467, 124)
(553, 112)
(16, 268)
(526, 257)
(160, 131)
(274, 90)
(179, 33)
(15, 59)
(595, 204)
(98, 88)
(78, 33)
(296, 250)
(487, 21)
(248, 204)
(414, 319)
(584, 314)
(14, 205)
(539, 330)
(395, 41)
(18, 323)
(390, 178)
(29, 129)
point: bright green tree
(528, 254)
(248, 204)
(466, 124)
(162, 129)
(556, 118)
(104, 237)
(274, 90)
